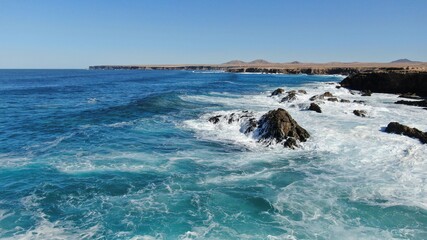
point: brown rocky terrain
(263, 66)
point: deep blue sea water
(88, 154)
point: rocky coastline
(334, 68)
(277, 126)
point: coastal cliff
(390, 82)
(260, 66)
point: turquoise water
(129, 154)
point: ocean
(88, 154)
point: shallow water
(130, 154)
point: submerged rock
(315, 107)
(395, 127)
(322, 96)
(292, 95)
(278, 125)
(215, 119)
(302, 91)
(360, 113)
(277, 92)
(333, 99)
(344, 101)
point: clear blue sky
(79, 33)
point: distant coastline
(262, 66)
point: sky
(80, 33)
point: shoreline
(286, 68)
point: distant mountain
(295, 62)
(404, 60)
(259, 62)
(254, 62)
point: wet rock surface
(360, 113)
(277, 92)
(278, 125)
(315, 107)
(397, 128)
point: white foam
(387, 166)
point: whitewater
(88, 154)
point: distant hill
(254, 62)
(235, 62)
(404, 60)
(259, 62)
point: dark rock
(233, 117)
(215, 119)
(333, 99)
(327, 94)
(395, 127)
(302, 91)
(366, 93)
(277, 92)
(313, 97)
(290, 97)
(278, 125)
(344, 101)
(388, 82)
(315, 107)
(360, 113)
(422, 103)
(251, 125)
(321, 96)
(290, 143)
(338, 87)
(359, 101)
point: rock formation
(395, 127)
(278, 125)
(360, 113)
(277, 92)
(315, 107)
(388, 82)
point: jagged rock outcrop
(278, 125)
(230, 118)
(360, 113)
(388, 82)
(277, 92)
(292, 95)
(315, 107)
(395, 127)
